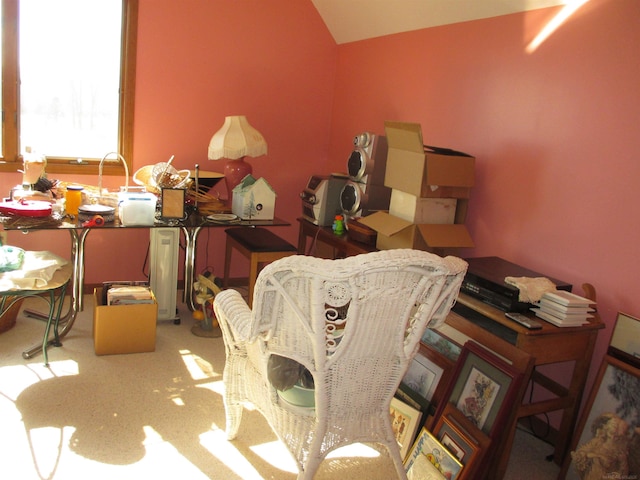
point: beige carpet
(154, 414)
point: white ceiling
(353, 20)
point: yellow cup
(73, 199)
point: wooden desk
(488, 326)
(341, 244)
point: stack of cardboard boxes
(430, 194)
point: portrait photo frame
(428, 453)
(615, 392)
(441, 343)
(463, 439)
(405, 421)
(484, 388)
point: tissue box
(123, 328)
(136, 209)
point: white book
(567, 299)
(558, 322)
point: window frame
(12, 160)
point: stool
(260, 246)
(53, 292)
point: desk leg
(77, 290)
(191, 244)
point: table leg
(77, 291)
(190, 250)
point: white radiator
(163, 270)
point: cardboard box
(422, 210)
(123, 328)
(419, 170)
(253, 199)
(394, 232)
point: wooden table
(342, 245)
(488, 326)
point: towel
(36, 271)
(531, 289)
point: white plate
(222, 217)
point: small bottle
(73, 199)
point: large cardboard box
(253, 199)
(394, 232)
(422, 210)
(123, 328)
(422, 171)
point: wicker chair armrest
(233, 314)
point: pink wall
(554, 132)
(198, 61)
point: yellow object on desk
(73, 199)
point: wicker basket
(8, 316)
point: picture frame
(429, 455)
(423, 376)
(442, 344)
(405, 421)
(612, 400)
(484, 388)
(463, 439)
(625, 340)
(173, 203)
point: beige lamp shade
(236, 139)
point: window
(68, 81)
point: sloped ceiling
(353, 20)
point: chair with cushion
(342, 330)
(38, 274)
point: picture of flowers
(478, 396)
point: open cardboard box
(123, 328)
(425, 171)
(394, 232)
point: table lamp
(234, 141)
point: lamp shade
(236, 139)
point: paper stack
(129, 294)
(564, 309)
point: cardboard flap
(384, 223)
(445, 236)
(404, 136)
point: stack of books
(564, 309)
(128, 295)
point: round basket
(8, 315)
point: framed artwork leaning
(607, 438)
(404, 421)
(429, 459)
(483, 388)
(463, 439)
(625, 341)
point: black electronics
(485, 281)
(361, 199)
(321, 199)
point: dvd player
(485, 281)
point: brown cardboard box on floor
(123, 328)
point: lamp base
(234, 172)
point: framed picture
(423, 376)
(609, 425)
(463, 439)
(404, 421)
(625, 341)
(441, 344)
(483, 388)
(428, 459)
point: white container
(136, 209)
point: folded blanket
(36, 271)
(531, 289)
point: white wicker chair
(354, 323)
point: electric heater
(163, 270)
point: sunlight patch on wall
(556, 22)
